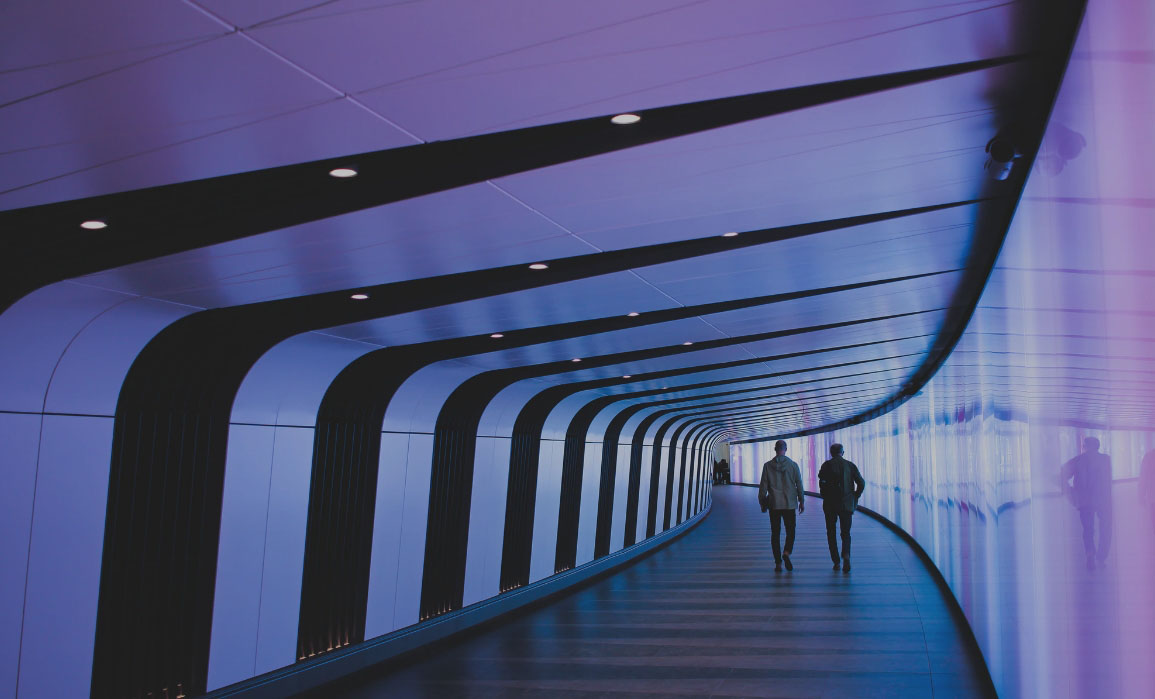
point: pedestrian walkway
(708, 616)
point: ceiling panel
(174, 92)
(53, 44)
(542, 63)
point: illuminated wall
(1061, 348)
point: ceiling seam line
(537, 212)
(304, 71)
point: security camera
(1003, 155)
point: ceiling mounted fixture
(539, 265)
(626, 119)
(93, 225)
(687, 343)
(497, 336)
(731, 234)
(625, 376)
(576, 359)
(633, 314)
(359, 297)
(342, 173)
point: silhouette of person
(1147, 484)
(841, 485)
(1087, 482)
(780, 491)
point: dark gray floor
(708, 616)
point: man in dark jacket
(1087, 482)
(780, 491)
(841, 485)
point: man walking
(1087, 482)
(840, 484)
(780, 491)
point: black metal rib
(43, 244)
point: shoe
(777, 566)
(845, 565)
(786, 560)
(837, 565)
(1090, 563)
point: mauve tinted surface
(1059, 350)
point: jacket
(840, 484)
(1091, 473)
(781, 485)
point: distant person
(841, 485)
(780, 491)
(1087, 482)
(1147, 484)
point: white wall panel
(65, 557)
(663, 477)
(285, 386)
(621, 492)
(644, 493)
(387, 521)
(92, 368)
(19, 438)
(501, 413)
(487, 519)
(284, 548)
(557, 422)
(240, 555)
(417, 402)
(546, 509)
(588, 507)
(411, 555)
(668, 476)
(36, 330)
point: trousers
(777, 517)
(840, 518)
(1087, 517)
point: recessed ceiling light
(93, 225)
(626, 376)
(731, 234)
(497, 335)
(342, 172)
(626, 119)
(576, 359)
(633, 314)
(359, 297)
(687, 343)
(539, 265)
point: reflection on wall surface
(1061, 348)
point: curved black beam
(613, 433)
(1060, 25)
(527, 434)
(347, 451)
(515, 566)
(454, 442)
(43, 244)
(171, 430)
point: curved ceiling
(843, 144)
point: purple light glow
(1060, 349)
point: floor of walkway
(708, 616)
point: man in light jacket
(780, 491)
(841, 485)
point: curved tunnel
(308, 360)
